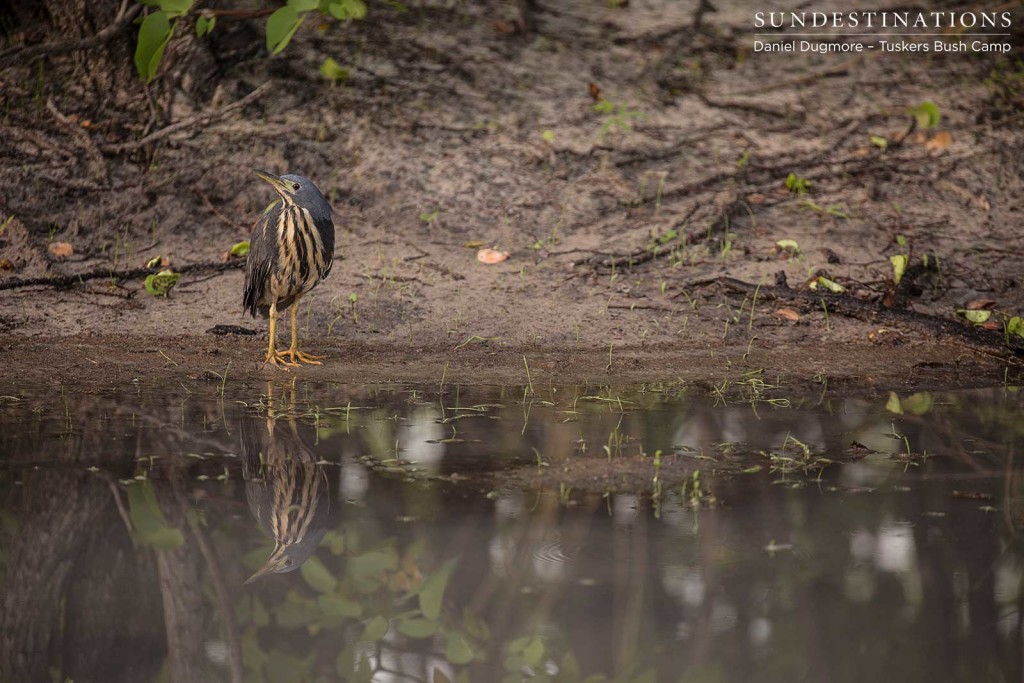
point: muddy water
(433, 534)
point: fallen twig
(69, 280)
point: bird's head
(287, 557)
(297, 190)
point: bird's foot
(300, 357)
(278, 360)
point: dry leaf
(505, 28)
(980, 304)
(473, 244)
(5, 264)
(991, 324)
(595, 92)
(787, 313)
(491, 256)
(940, 141)
(756, 198)
(87, 123)
(60, 250)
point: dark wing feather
(257, 489)
(261, 261)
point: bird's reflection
(286, 490)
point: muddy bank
(624, 209)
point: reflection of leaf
(296, 611)
(317, 576)
(440, 676)
(417, 628)
(458, 650)
(372, 564)
(893, 404)
(433, 590)
(375, 629)
(918, 404)
(337, 606)
(148, 521)
(533, 653)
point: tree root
(64, 281)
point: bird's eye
(288, 562)
(295, 187)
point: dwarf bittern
(291, 249)
(287, 493)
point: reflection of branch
(227, 614)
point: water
(499, 534)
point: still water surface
(414, 535)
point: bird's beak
(268, 568)
(274, 180)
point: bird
(287, 493)
(291, 250)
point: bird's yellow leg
(293, 350)
(273, 357)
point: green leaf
(1015, 326)
(176, 8)
(333, 71)
(549, 136)
(927, 114)
(417, 628)
(789, 245)
(344, 10)
(281, 26)
(975, 317)
(376, 629)
(336, 606)
(878, 141)
(317, 576)
(828, 284)
(159, 284)
(154, 34)
(433, 590)
(899, 266)
(240, 249)
(204, 25)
